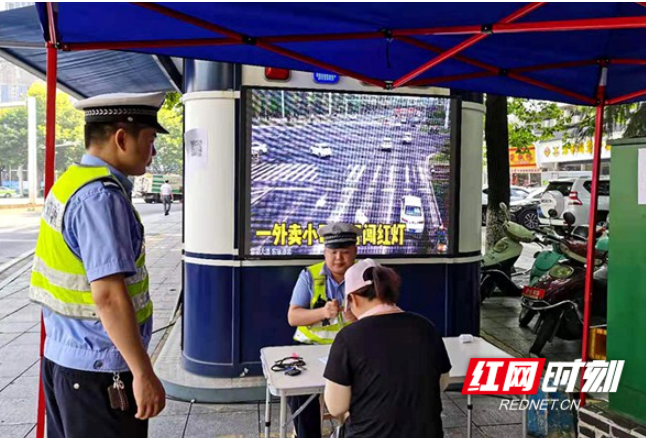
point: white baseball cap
(354, 276)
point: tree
(624, 120)
(170, 154)
(531, 121)
(69, 128)
(517, 123)
(173, 101)
(13, 137)
(70, 133)
(636, 126)
(497, 140)
(629, 118)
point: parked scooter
(548, 257)
(551, 255)
(558, 296)
(498, 262)
(544, 261)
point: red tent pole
(512, 73)
(258, 42)
(504, 26)
(550, 87)
(169, 12)
(522, 12)
(439, 59)
(150, 44)
(628, 97)
(50, 160)
(50, 118)
(594, 196)
(584, 24)
(628, 61)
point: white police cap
(135, 108)
(339, 235)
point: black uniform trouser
(78, 405)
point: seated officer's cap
(339, 235)
(134, 108)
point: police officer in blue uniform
(316, 308)
(90, 276)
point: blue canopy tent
(81, 74)
(580, 53)
(550, 51)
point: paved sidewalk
(20, 323)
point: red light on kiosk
(275, 74)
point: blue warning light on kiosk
(326, 78)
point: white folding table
(311, 381)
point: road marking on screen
(391, 179)
(407, 176)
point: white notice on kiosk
(197, 147)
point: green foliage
(528, 122)
(170, 146)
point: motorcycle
(558, 296)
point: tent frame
(477, 33)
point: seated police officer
(315, 309)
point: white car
(573, 195)
(258, 147)
(7, 193)
(412, 214)
(408, 138)
(387, 144)
(321, 150)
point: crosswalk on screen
(379, 161)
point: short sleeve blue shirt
(302, 294)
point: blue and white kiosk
(269, 161)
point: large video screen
(379, 161)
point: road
(359, 183)
(19, 229)
(10, 201)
